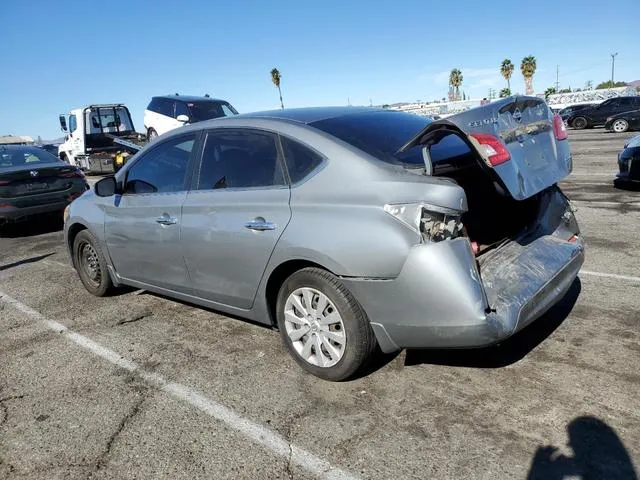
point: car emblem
(34, 173)
(517, 115)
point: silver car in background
(347, 228)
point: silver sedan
(347, 228)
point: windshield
(27, 157)
(107, 120)
(207, 110)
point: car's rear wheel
(91, 265)
(620, 126)
(151, 134)
(579, 123)
(323, 326)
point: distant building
(16, 140)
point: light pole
(613, 62)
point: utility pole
(613, 63)
(557, 77)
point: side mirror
(106, 187)
(63, 123)
(182, 118)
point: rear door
(525, 126)
(233, 219)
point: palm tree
(528, 68)
(275, 78)
(506, 69)
(455, 80)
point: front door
(232, 221)
(142, 226)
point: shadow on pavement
(508, 352)
(36, 225)
(628, 186)
(598, 453)
(26, 260)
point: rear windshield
(207, 110)
(24, 157)
(381, 134)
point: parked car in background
(629, 163)
(566, 112)
(172, 111)
(622, 122)
(33, 181)
(597, 115)
(345, 227)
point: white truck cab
(90, 132)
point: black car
(622, 122)
(566, 112)
(50, 147)
(33, 181)
(629, 163)
(597, 115)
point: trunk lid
(525, 126)
(21, 181)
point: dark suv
(172, 111)
(597, 115)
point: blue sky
(62, 55)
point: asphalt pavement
(141, 386)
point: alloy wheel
(620, 126)
(315, 327)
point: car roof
(189, 98)
(311, 114)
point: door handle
(260, 225)
(165, 219)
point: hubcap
(619, 126)
(315, 327)
(89, 263)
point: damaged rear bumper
(444, 298)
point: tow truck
(99, 138)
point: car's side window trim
(313, 172)
(195, 151)
(205, 136)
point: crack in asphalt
(101, 461)
(5, 410)
(135, 318)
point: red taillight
(72, 174)
(559, 128)
(492, 148)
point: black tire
(151, 134)
(619, 125)
(91, 265)
(579, 123)
(360, 339)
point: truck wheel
(323, 326)
(91, 265)
(579, 123)
(64, 158)
(151, 134)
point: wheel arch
(278, 276)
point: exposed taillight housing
(492, 148)
(559, 128)
(431, 222)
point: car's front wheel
(323, 326)
(90, 264)
(620, 126)
(579, 123)
(151, 134)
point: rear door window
(240, 159)
(301, 161)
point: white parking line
(259, 434)
(611, 275)
(607, 202)
(571, 182)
